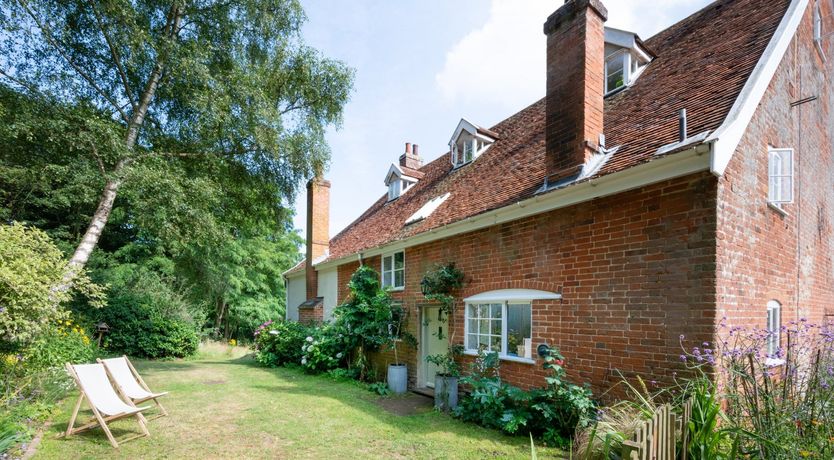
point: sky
(422, 65)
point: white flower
(304, 348)
(303, 361)
(339, 355)
(273, 332)
(340, 336)
(309, 339)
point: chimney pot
(408, 147)
(415, 150)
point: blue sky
(421, 65)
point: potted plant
(398, 371)
(446, 381)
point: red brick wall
(636, 270)
(311, 315)
(761, 254)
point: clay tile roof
(417, 174)
(701, 64)
(297, 268)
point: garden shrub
(138, 329)
(148, 318)
(324, 349)
(551, 413)
(278, 343)
(31, 267)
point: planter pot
(398, 378)
(445, 392)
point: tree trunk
(221, 310)
(93, 233)
(105, 206)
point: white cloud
(503, 61)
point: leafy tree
(228, 84)
(30, 266)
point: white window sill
(774, 362)
(776, 207)
(394, 289)
(514, 359)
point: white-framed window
(397, 187)
(617, 67)
(393, 270)
(465, 150)
(774, 327)
(780, 176)
(505, 328)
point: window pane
(496, 310)
(386, 279)
(615, 72)
(483, 340)
(399, 260)
(483, 311)
(472, 311)
(519, 328)
(484, 326)
(472, 342)
(495, 343)
(386, 264)
(473, 326)
(496, 327)
(399, 280)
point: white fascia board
(463, 125)
(393, 170)
(294, 275)
(726, 138)
(513, 295)
(660, 169)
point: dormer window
(401, 179)
(625, 59)
(469, 142)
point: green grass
(225, 406)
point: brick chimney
(411, 159)
(575, 86)
(318, 228)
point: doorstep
(424, 391)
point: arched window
(774, 325)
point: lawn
(228, 407)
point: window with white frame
(393, 270)
(500, 327)
(774, 326)
(780, 176)
(466, 149)
(615, 70)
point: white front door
(435, 340)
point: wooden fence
(655, 439)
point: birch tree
(182, 79)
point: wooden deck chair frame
(155, 396)
(99, 418)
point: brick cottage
(658, 187)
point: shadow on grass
(351, 394)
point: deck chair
(130, 383)
(106, 404)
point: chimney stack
(318, 228)
(575, 85)
(410, 159)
